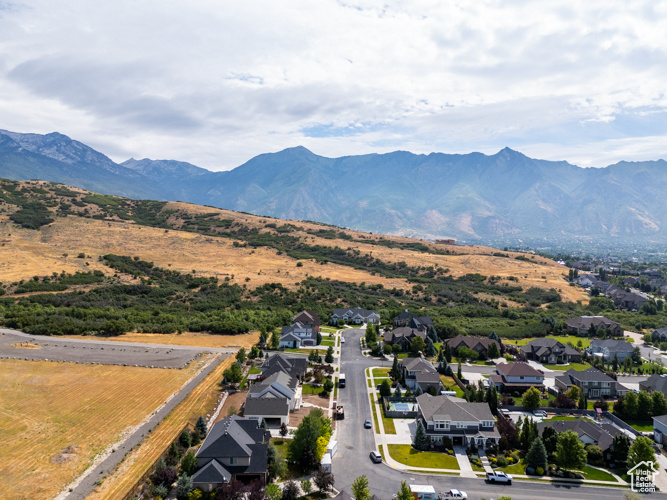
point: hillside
(504, 199)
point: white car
(342, 340)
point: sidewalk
(464, 463)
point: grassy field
(388, 423)
(196, 339)
(199, 402)
(406, 454)
(562, 339)
(47, 407)
(448, 382)
(381, 372)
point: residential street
(355, 443)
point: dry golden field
(199, 402)
(196, 339)
(57, 416)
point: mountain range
(502, 198)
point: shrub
(540, 471)
(502, 462)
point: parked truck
(341, 380)
(340, 413)
(498, 477)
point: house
(295, 366)
(412, 321)
(477, 344)
(610, 349)
(273, 399)
(458, 420)
(418, 372)
(660, 429)
(235, 448)
(659, 335)
(655, 382)
(550, 351)
(516, 377)
(589, 432)
(630, 301)
(592, 382)
(310, 318)
(298, 335)
(354, 316)
(586, 326)
(403, 336)
(586, 280)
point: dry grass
(196, 339)
(26, 345)
(47, 407)
(199, 402)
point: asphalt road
(355, 443)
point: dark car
(368, 425)
(376, 457)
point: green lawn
(375, 414)
(564, 418)
(387, 423)
(641, 426)
(544, 403)
(312, 389)
(327, 329)
(596, 474)
(406, 454)
(328, 342)
(381, 372)
(562, 339)
(255, 369)
(514, 468)
(576, 366)
(448, 382)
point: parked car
(342, 340)
(376, 457)
(498, 477)
(368, 425)
(454, 494)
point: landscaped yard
(448, 382)
(640, 426)
(312, 389)
(406, 454)
(597, 474)
(562, 339)
(381, 372)
(326, 341)
(388, 423)
(375, 412)
(576, 366)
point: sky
(215, 83)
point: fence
(399, 413)
(135, 490)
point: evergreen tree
(550, 439)
(404, 493)
(360, 488)
(385, 389)
(200, 427)
(441, 355)
(620, 447)
(570, 452)
(658, 403)
(631, 405)
(492, 399)
(448, 353)
(329, 358)
(319, 338)
(537, 455)
(430, 348)
(394, 373)
(183, 487)
(459, 374)
(643, 406)
(583, 401)
(493, 351)
(421, 440)
(397, 392)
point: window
(233, 460)
(605, 384)
(461, 425)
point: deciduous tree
(360, 488)
(570, 452)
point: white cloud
(215, 83)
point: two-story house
(460, 421)
(418, 372)
(296, 366)
(550, 351)
(298, 335)
(592, 382)
(413, 321)
(273, 399)
(235, 448)
(516, 377)
(354, 316)
(659, 335)
(403, 336)
(589, 432)
(586, 325)
(610, 349)
(478, 344)
(307, 317)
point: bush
(502, 462)
(539, 471)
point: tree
(306, 486)
(421, 440)
(636, 356)
(173, 454)
(394, 373)
(201, 428)
(283, 429)
(329, 358)
(631, 405)
(319, 338)
(459, 374)
(164, 475)
(327, 387)
(644, 406)
(371, 335)
(602, 404)
(492, 399)
(550, 439)
(658, 403)
(241, 355)
(583, 401)
(185, 439)
(537, 455)
(255, 490)
(570, 452)
(302, 449)
(430, 348)
(290, 490)
(508, 432)
(641, 451)
(385, 389)
(448, 353)
(531, 399)
(493, 351)
(620, 447)
(183, 487)
(233, 374)
(464, 353)
(404, 493)
(360, 488)
(273, 491)
(594, 454)
(323, 480)
(573, 393)
(189, 463)
(275, 340)
(417, 345)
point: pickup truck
(453, 494)
(498, 477)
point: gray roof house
(655, 382)
(550, 351)
(460, 421)
(273, 398)
(583, 324)
(659, 335)
(660, 429)
(235, 448)
(355, 316)
(298, 335)
(589, 432)
(308, 318)
(419, 372)
(294, 366)
(593, 382)
(413, 321)
(403, 336)
(478, 344)
(610, 349)
(516, 377)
